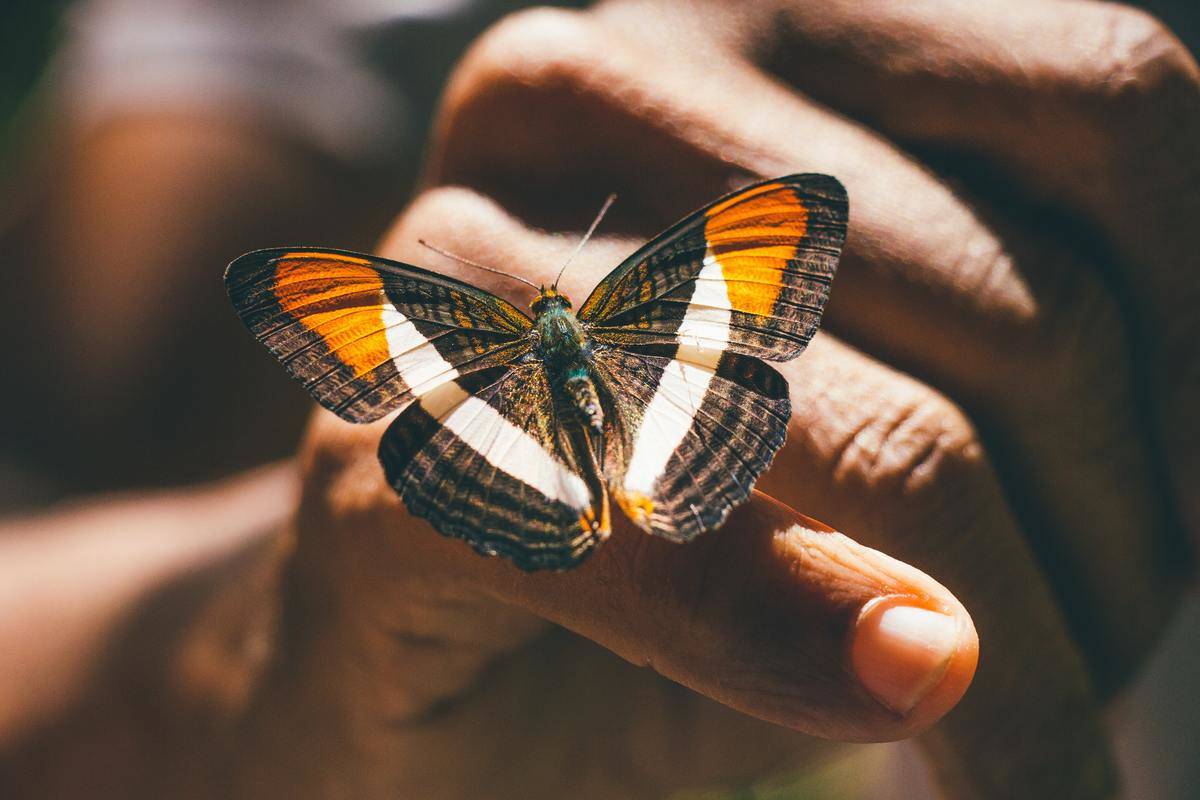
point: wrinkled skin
(1003, 398)
(998, 418)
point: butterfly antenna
(591, 229)
(471, 263)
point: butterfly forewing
(749, 274)
(366, 335)
(487, 459)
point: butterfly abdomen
(579, 387)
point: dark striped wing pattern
(490, 459)
(366, 335)
(749, 274)
(680, 326)
(689, 433)
(488, 446)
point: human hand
(1021, 186)
(416, 652)
(1042, 506)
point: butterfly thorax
(559, 338)
(563, 346)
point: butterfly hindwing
(366, 335)
(486, 458)
(749, 274)
(690, 432)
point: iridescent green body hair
(564, 348)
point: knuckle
(1137, 61)
(468, 223)
(526, 100)
(442, 213)
(533, 46)
(1130, 92)
(921, 447)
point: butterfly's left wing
(689, 432)
(489, 458)
(748, 274)
(366, 335)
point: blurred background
(143, 145)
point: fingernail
(901, 652)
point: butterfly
(515, 433)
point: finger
(776, 618)
(1055, 90)
(405, 661)
(919, 463)
(909, 474)
(1093, 105)
(1021, 331)
(797, 626)
(413, 613)
(772, 615)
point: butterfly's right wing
(689, 432)
(366, 335)
(748, 274)
(489, 459)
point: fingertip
(913, 658)
(947, 693)
(776, 615)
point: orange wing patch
(326, 294)
(636, 506)
(753, 238)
